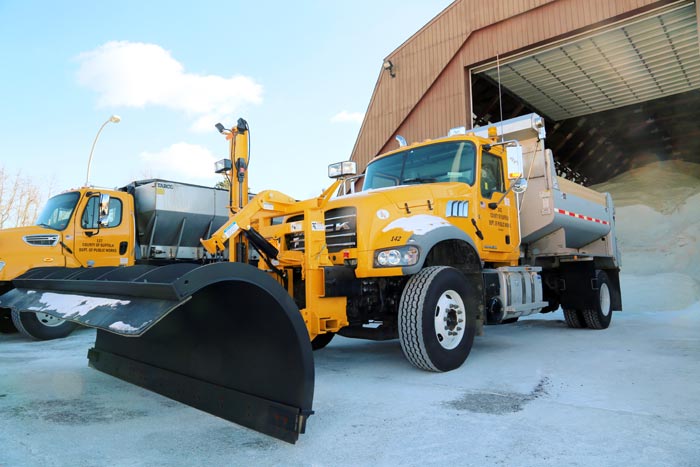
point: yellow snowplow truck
(146, 222)
(446, 236)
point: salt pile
(658, 228)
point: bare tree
(20, 199)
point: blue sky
(171, 70)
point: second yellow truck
(145, 222)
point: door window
(491, 175)
(92, 212)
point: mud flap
(225, 338)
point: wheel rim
(49, 320)
(604, 300)
(449, 319)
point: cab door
(103, 230)
(499, 225)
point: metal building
(618, 81)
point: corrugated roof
(648, 58)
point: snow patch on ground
(658, 227)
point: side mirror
(519, 185)
(104, 210)
(342, 169)
(515, 161)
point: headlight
(342, 169)
(392, 257)
(2, 265)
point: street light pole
(112, 119)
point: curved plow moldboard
(225, 338)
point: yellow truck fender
(426, 232)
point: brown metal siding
(428, 95)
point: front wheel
(437, 318)
(41, 326)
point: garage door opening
(614, 99)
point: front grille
(41, 240)
(341, 231)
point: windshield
(442, 162)
(58, 211)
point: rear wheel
(321, 340)
(41, 326)
(600, 315)
(574, 318)
(437, 318)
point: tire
(41, 326)
(6, 325)
(437, 318)
(600, 316)
(574, 319)
(321, 340)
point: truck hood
(405, 195)
(411, 208)
(23, 248)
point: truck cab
(459, 177)
(86, 227)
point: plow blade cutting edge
(225, 338)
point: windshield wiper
(419, 180)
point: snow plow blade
(225, 338)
